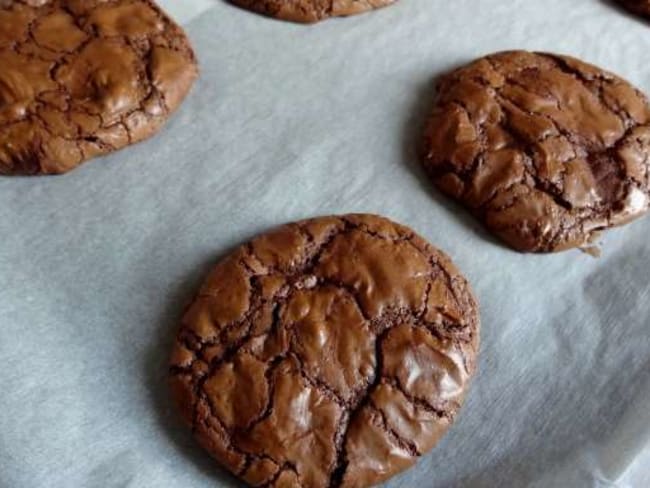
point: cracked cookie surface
(331, 352)
(545, 149)
(641, 7)
(82, 78)
(308, 11)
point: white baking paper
(288, 122)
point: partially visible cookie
(639, 6)
(81, 78)
(330, 352)
(308, 11)
(546, 150)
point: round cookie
(308, 11)
(82, 78)
(639, 6)
(546, 150)
(330, 352)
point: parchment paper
(289, 122)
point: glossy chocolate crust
(546, 150)
(329, 352)
(308, 11)
(81, 78)
(638, 6)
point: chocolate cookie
(546, 150)
(81, 78)
(308, 11)
(639, 6)
(330, 352)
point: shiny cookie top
(308, 11)
(545, 149)
(81, 78)
(329, 352)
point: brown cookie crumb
(329, 352)
(82, 78)
(546, 150)
(308, 11)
